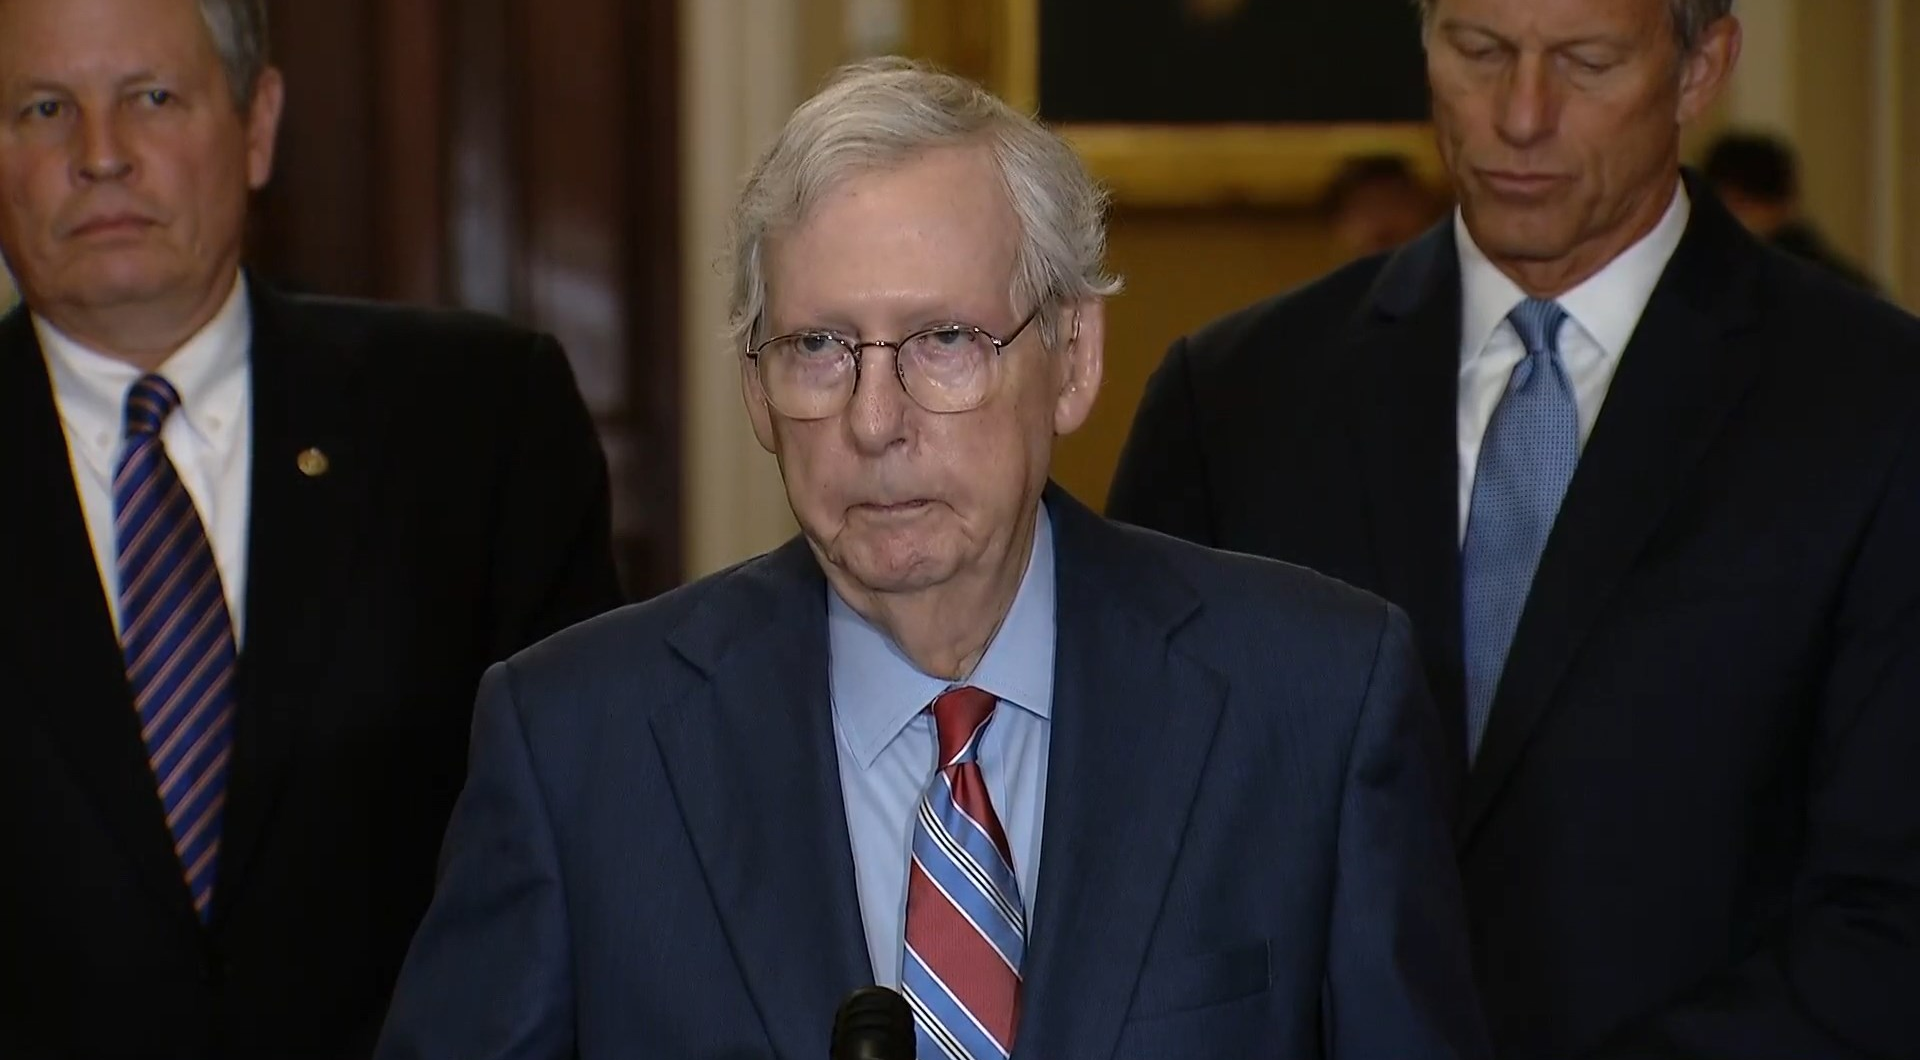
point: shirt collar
(877, 690)
(209, 371)
(1607, 305)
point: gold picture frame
(1286, 166)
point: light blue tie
(1526, 460)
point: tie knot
(149, 403)
(1538, 323)
(958, 716)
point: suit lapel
(64, 656)
(1402, 356)
(1678, 379)
(1133, 722)
(753, 768)
(304, 523)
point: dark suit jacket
(1242, 854)
(464, 516)
(1693, 829)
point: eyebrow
(44, 84)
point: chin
(895, 566)
(1503, 236)
(122, 283)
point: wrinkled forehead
(1559, 20)
(933, 232)
(78, 43)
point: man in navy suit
(1077, 791)
(1650, 492)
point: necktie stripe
(973, 824)
(952, 1018)
(928, 1028)
(186, 806)
(176, 643)
(163, 654)
(167, 559)
(136, 462)
(144, 496)
(163, 719)
(144, 604)
(219, 683)
(999, 886)
(140, 591)
(983, 918)
(976, 811)
(182, 747)
(146, 524)
(202, 826)
(202, 750)
(957, 830)
(965, 927)
(177, 638)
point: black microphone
(873, 1023)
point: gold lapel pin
(313, 463)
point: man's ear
(1704, 73)
(263, 126)
(1082, 358)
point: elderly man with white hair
(1074, 790)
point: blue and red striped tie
(176, 635)
(966, 928)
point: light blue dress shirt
(888, 752)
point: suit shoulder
(1247, 596)
(405, 333)
(637, 639)
(1295, 320)
(1813, 297)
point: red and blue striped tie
(176, 635)
(966, 928)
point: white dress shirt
(1602, 314)
(207, 438)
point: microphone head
(873, 1023)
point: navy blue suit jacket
(1692, 831)
(1245, 851)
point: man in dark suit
(1692, 822)
(258, 551)
(1075, 790)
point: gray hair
(239, 29)
(883, 112)
(1690, 18)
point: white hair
(883, 112)
(239, 29)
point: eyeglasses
(811, 375)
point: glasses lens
(807, 376)
(949, 369)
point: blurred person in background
(1758, 177)
(258, 551)
(1376, 203)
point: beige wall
(1837, 78)
(1835, 119)
(746, 64)
(1182, 268)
